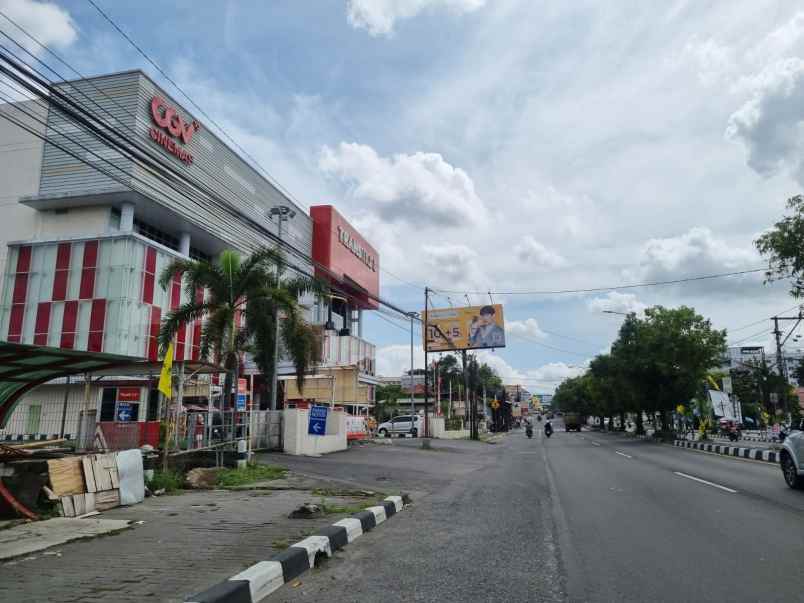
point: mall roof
(25, 367)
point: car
(791, 458)
(401, 425)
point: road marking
(628, 456)
(595, 443)
(703, 481)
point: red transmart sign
(171, 128)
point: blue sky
(504, 145)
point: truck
(572, 421)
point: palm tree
(248, 287)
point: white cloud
(532, 251)
(615, 301)
(694, 253)
(525, 328)
(379, 16)
(393, 360)
(420, 189)
(771, 123)
(49, 23)
(554, 372)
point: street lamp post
(412, 407)
(282, 213)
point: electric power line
(612, 287)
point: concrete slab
(40, 535)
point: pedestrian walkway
(177, 546)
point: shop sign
(172, 131)
(128, 394)
(348, 240)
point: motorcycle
(548, 429)
(529, 431)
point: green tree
(246, 287)
(387, 400)
(783, 245)
(670, 354)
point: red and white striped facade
(99, 295)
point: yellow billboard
(473, 327)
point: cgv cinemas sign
(172, 132)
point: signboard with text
(471, 327)
(318, 420)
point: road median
(753, 454)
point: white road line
(628, 456)
(595, 444)
(703, 481)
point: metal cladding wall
(343, 251)
(98, 295)
(243, 196)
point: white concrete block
(263, 578)
(379, 513)
(354, 529)
(397, 500)
(313, 545)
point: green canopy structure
(25, 367)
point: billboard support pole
(412, 407)
(426, 380)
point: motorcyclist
(548, 428)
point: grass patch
(171, 481)
(280, 544)
(349, 508)
(229, 478)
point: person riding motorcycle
(548, 428)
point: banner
(472, 327)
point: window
(156, 234)
(108, 403)
(152, 413)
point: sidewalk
(185, 543)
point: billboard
(723, 407)
(472, 327)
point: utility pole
(412, 407)
(466, 395)
(426, 380)
(283, 213)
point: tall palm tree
(248, 286)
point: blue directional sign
(318, 420)
(124, 411)
(241, 401)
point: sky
(503, 146)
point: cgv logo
(167, 118)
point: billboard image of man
(484, 330)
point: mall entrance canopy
(25, 367)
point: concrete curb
(261, 579)
(755, 454)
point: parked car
(400, 425)
(791, 458)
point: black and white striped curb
(756, 454)
(261, 579)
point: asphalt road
(578, 517)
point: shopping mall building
(83, 250)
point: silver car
(791, 458)
(400, 425)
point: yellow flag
(165, 385)
(713, 382)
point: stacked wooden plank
(85, 484)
